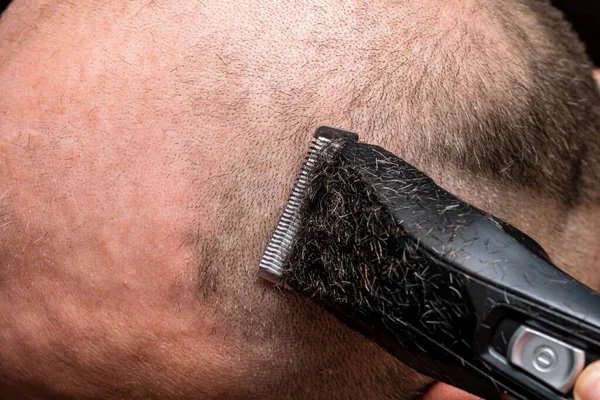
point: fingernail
(588, 385)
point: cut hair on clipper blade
(441, 285)
(271, 264)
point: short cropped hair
(498, 88)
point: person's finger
(441, 391)
(587, 386)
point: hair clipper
(446, 288)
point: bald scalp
(150, 148)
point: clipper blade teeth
(280, 245)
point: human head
(147, 152)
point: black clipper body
(446, 288)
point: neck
(578, 247)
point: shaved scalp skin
(147, 148)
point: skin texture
(134, 134)
(588, 384)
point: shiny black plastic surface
(508, 278)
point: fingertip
(587, 386)
(441, 391)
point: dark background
(585, 17)
(583, 14)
